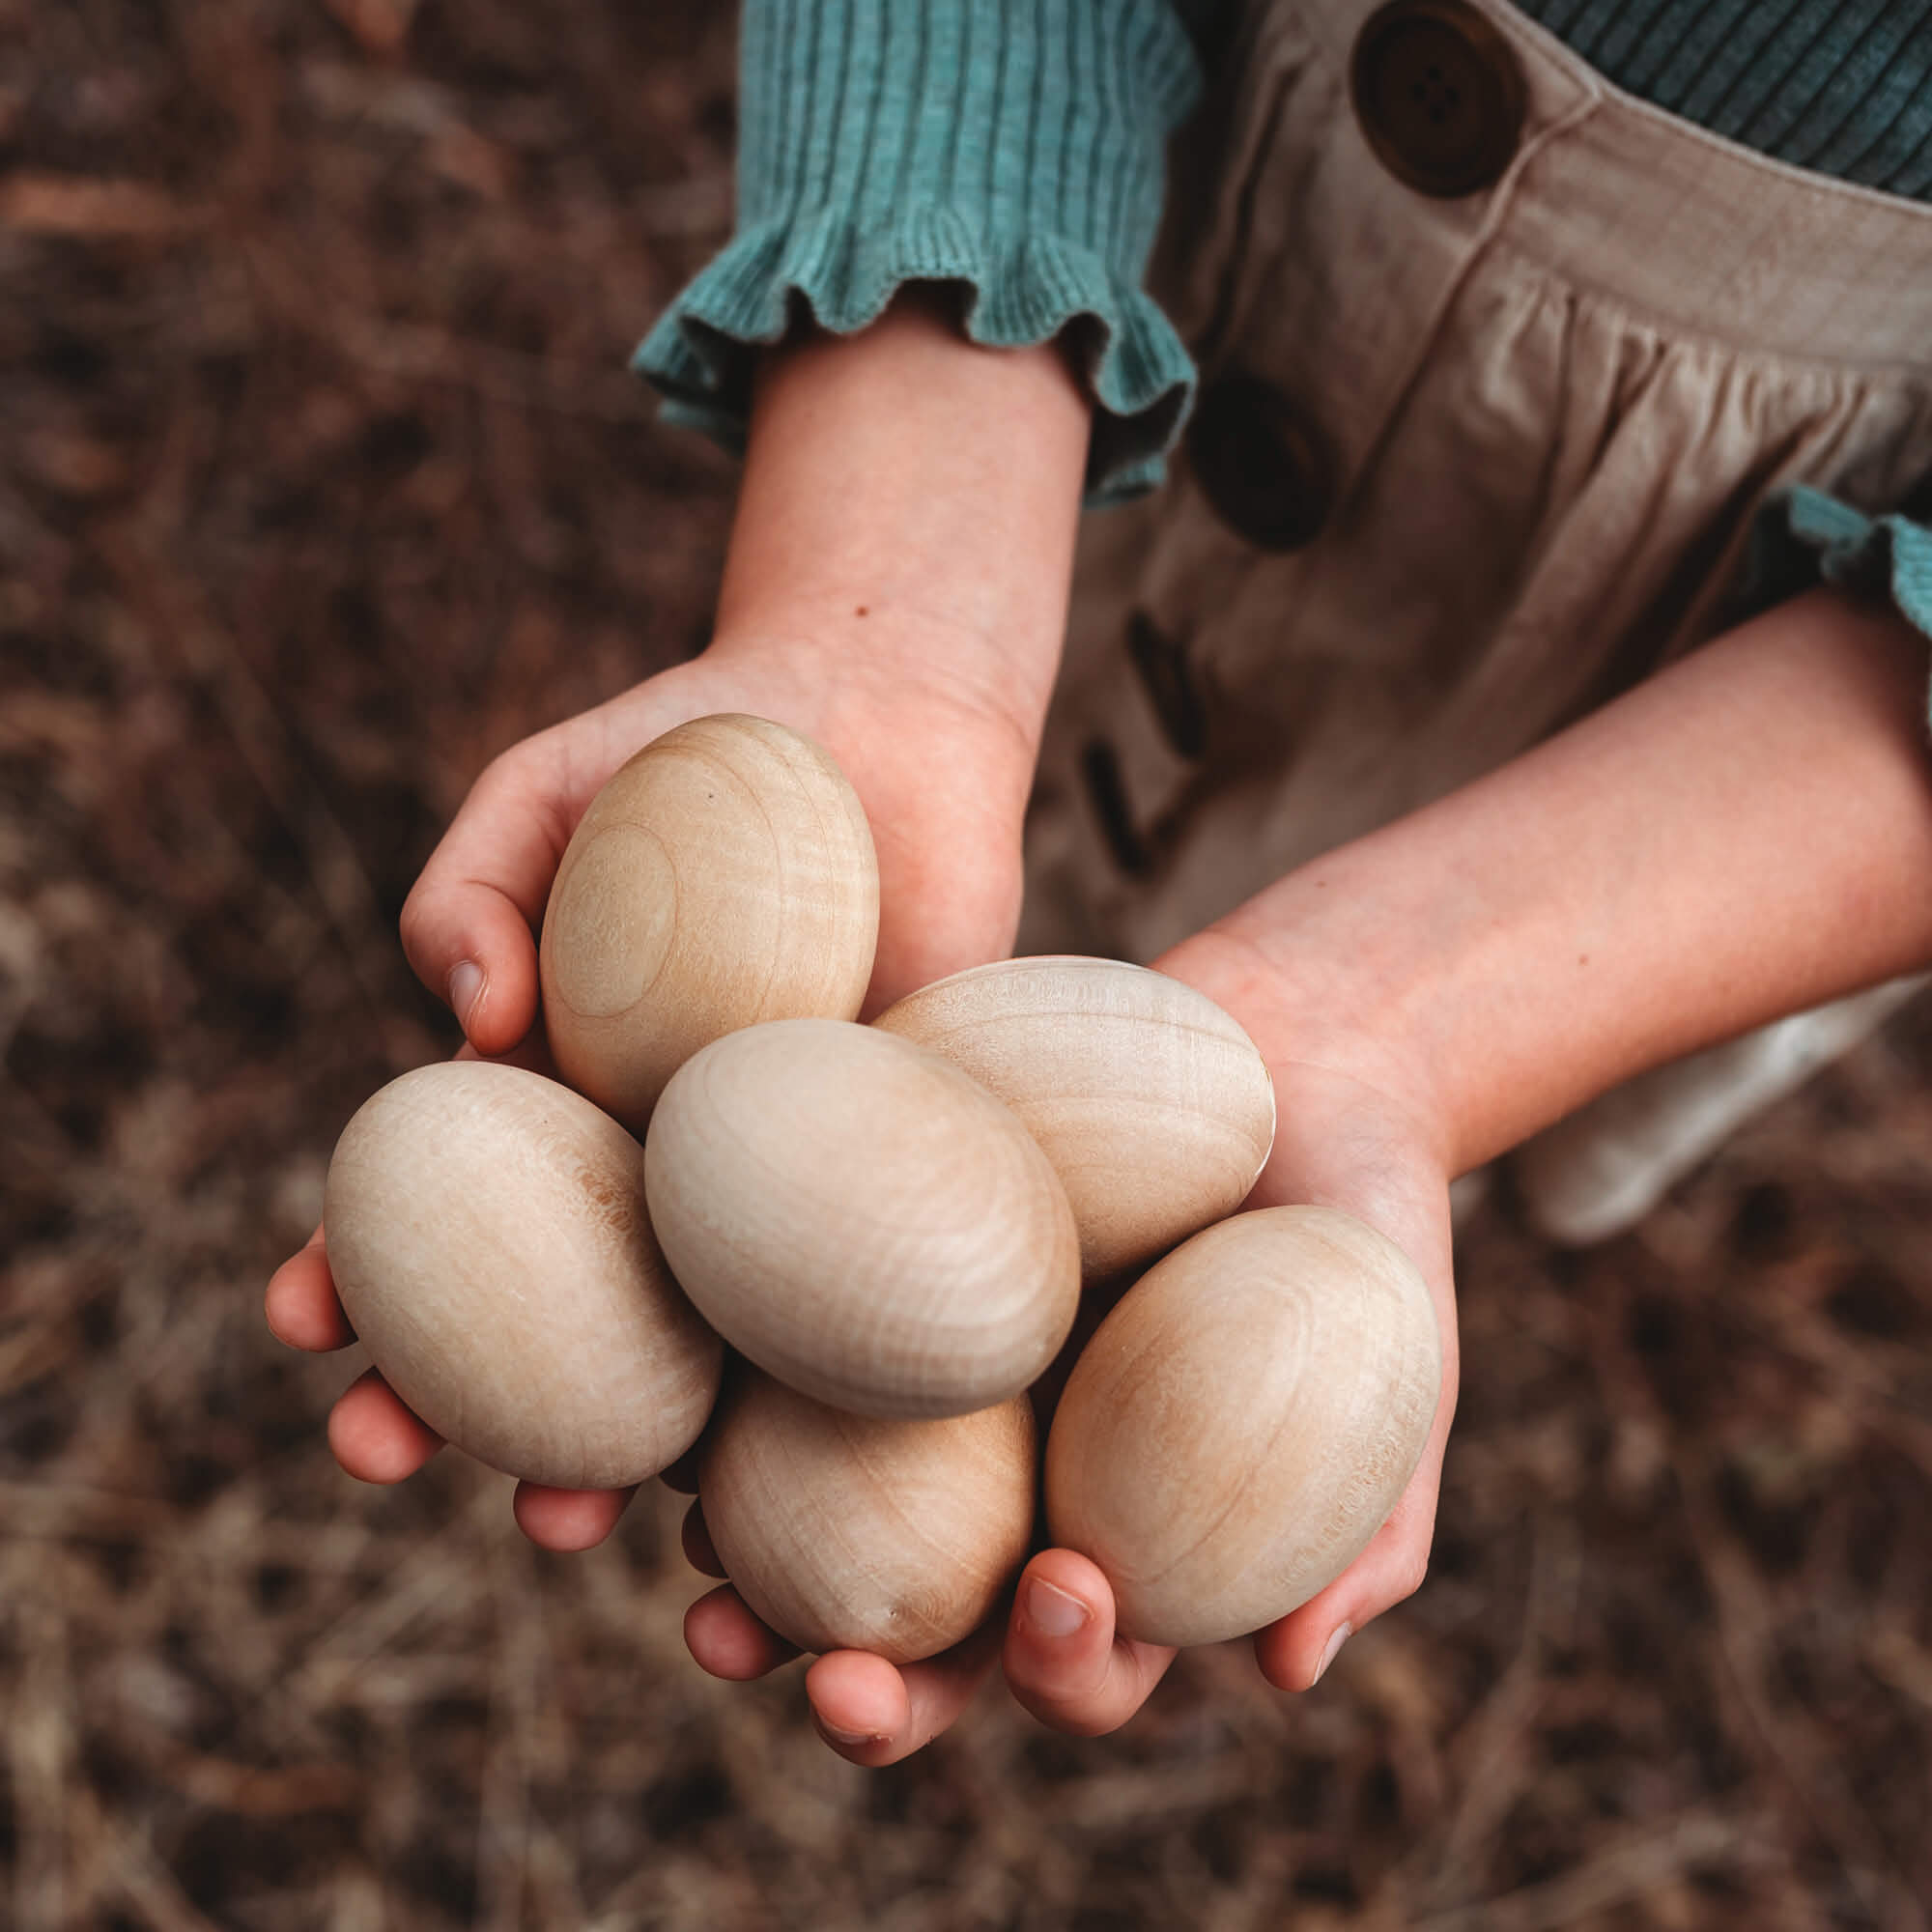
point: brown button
(1260, 463)
(1169, 685)
(1107, 792)
(1438, 94)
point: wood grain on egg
(724, 875)
(1154, 1105)
(849, 1532)
(861, 1219)
(488, 1237)
(1243, 1422)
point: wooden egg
(488, 1237)
(724, 875)
(847, 1532)
(1244, 1421)
(861, 1219)
(1154, 1107)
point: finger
(872, 1713)
(700, 1551)
(300, 1301)
(467, 924)
(1295, 1652)
(1064, 1660)
(724, 1637)
(568, 1520)
(374, 1436)
(532, 1053)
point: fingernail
(839, 1737)
(466, 982)
(1342, 1633)
(1051, 1611)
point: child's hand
(1746, 835)
(943, 779)
(944, 783)
(1354, 1133)
(895, 588)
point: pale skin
(1746, 835)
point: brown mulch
(321, 482)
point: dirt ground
(322, 480)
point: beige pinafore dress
(1498, 367)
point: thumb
(468, 926)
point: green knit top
(1842, 85)
(1017, 146)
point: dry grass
(321, 482)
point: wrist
(909, 509)
(1746, 835)
(885, 707)
(908, 676)
(1337, 1031)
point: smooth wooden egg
(488, 1237)
(1244, 1420)
(1154, 1105)
(724, 875)
(847, 1532)
(861, 1219)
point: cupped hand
(1354, 1132)
(943, 771)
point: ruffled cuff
(1805, 535)
(1013, 147)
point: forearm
(910, 504)
(1748, 834)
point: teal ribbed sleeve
(1015, 147)
(1805, 536)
